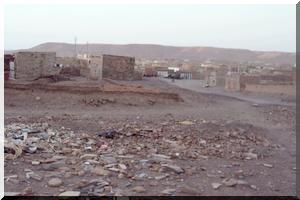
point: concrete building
(32, 65)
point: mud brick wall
(71, 65)
(118, 67)
(95, 67)
(246, 79)
(287, 89)
(32, 65)
(232, 82)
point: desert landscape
(71, 135)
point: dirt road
(195, 85)
(206, 145)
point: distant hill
(149, 51)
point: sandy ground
(206, 145)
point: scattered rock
(254, 187)
(122, 166)
(12, 193)
(70, 193)
(250, 156)
(33, 176)
(139, 189)
(187, 122)
(174, 168)
(189, 190)
(35, 162)
(100, 171)
(230, 182)
(55, 182)
(216, 185)
(268, 165)
(168, 191)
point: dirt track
(207, 136)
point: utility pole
(87, 49)
(75, 47)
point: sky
(254, 27)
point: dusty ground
(136, 144)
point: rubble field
(62, 144)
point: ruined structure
(279, 84)
(32, 65)
(95, 66)
(118, 67)
(232, 81)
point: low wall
(274, 89)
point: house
(150, 71)
(162, 72)
(185, 75)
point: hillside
(149, 51)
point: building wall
(162, 73)
(118, 67)
(95, 66)
(272, 88)
(185, 75)
(32, 65)
(150, 71)
(232, 82)
(71, 65)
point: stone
(12, 193)
(35, 162)
(254, 187)
(189, 190)
(174, 168)
(55, 182)
(109, 159)
(230, 182)
(27, 191)
(37, 98)
(187, 122)
(161, 177)
(34, 176)
(216, 185)
(70, 193)
(139, 189)
(100, 171)
(53, 166)
(81, 173)
(122, 166)
(268, 165)
(31, 149)
(88, 156)
(250, 156)
(168, 191)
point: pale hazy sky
(255, 27)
